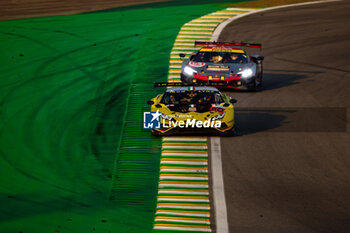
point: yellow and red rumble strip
(183, 191)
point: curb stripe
(165, 191)
(183, 163)
(180, 228)
(184, 185)
(190, 39)
(202, 24)
(183, 170)
(184, 139)
(185, 147)
(184, 155)
(183, 220)
(181, 200)
(182, 178)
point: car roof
(202, 88)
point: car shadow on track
(275, 79)
(250, 121)
(321, 119)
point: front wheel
(229, 133)
(253, 86)
(260, 80)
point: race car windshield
(220, 57)
(185, 101)
(192, 97)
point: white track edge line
(218, 187)
(221, 26)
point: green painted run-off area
(73, 155)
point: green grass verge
(73, 156)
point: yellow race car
(193, 110)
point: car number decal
(217, 109)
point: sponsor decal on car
(196, 64)
(192, 108)
(218, 68)
(222, 50)
(191, 89)
(217, 109)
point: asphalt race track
(288, 171)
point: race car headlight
(189, 71)
(246, 73)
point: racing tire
(229, 133)
(260, 80)
(253, 87)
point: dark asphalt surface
(289, 170)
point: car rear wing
(214, 43)
(180, 84)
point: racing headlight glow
(189, 71)
(246, 73)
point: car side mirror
(257, 58)
(150, 102)
(233, 101)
